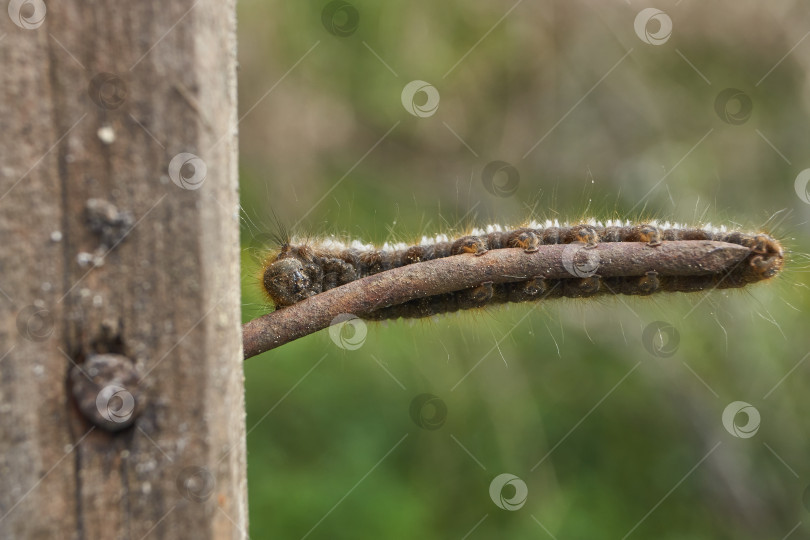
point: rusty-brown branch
(439, 276)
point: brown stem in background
(448, 274)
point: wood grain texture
(104, 253)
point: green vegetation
(626, 437)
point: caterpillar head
(287, 282)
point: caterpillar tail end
(767, 257)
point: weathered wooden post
(121, 383)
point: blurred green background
(600, 117)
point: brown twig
(439, 276)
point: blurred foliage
(608, 438)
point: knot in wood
(107, 391)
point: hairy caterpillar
(298, 270)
